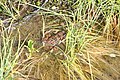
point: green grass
(8, 56)
(90, 27)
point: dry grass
(91, 42)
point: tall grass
(9, 55)
(85, 21)
(9, 10)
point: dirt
(31, 28)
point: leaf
(1, 10)
(30, 44)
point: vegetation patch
(59, 40)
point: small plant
(30, 48)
